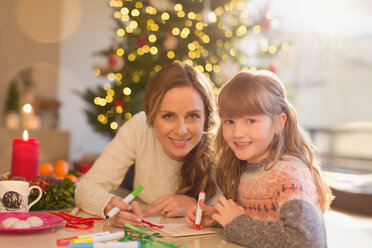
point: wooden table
(48, 237)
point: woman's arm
(170, 205)
(92, 192)
(130, 213)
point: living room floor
(348, 230)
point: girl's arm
(206, 220)
(300, 225)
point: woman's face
(180, 121)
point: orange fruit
(72, 178)
(45, 169)
(61, 168)
(60, 177)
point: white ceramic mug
(14, 196)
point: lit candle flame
(27, 108)
(25, 135)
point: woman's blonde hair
(196, 170)
(255, 93)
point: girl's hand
(206, 220)
(170, 205)
(129, 213)
(227, 211)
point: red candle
(25, 157)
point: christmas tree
(12, 101)
(215, 36)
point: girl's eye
(193, 116)
(228, 122)
(251, 121)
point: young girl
(266, 168)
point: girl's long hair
(256, 93)
(196, 171)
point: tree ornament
(265, 22)
(115, 62)
(170, 43)
(141, 42)
(272, 68)
(119, 103)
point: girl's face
(249, 136)
(180, 121)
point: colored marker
(199, 211)
(127, 200)
(110, 236)
(127, 244)
(74, 211)
(66, 241)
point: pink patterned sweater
(282, 207)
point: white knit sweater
(135, 143)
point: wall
(333, 80)
(331, 63)
(87, 26)
(29, 35)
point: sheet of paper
(182, 229)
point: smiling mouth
(242, 144)
(180, 142)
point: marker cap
(65, 241)
(80, 245)
(137, 190)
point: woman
(169, 143)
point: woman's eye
(194, 116)
(167, 116)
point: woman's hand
(170, 206)
(129, 213)
(227, 211)
(206, 220)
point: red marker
(199, 211)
